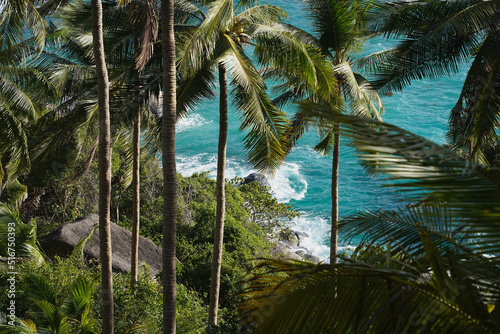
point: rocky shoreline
(288, 246)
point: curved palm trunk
(221, 199)
(169, 168)
(104, 169)
(335, 196)
(136, 147)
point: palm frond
(191, 90)
(260, 14)
(186, 12)
(25, 326)
(401, 229)
(299, 62)
(425, 171)
(17, 99)
(264, 122)
(436, 37)
(18, 17)
(474, 118)
(13, 147)
(356, 298)
(201, 43)
(364, 100)
(338, 25)
(400, 18)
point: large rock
(261, 178)
(62, 240)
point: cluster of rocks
(288, 246)
(63, 240)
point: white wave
(317, 230)
(193, 120)
(288, 183)
(206, 162)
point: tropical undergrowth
(252, 215)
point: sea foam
(193, 120)
(288, 183)
(317, 230)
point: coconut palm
(446, 247)
(217, 43)
(17, 18)
(169, 167)
(341, 28)
(22, 28)
(131, 89)
(434, 38)
(104, 168)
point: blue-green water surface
(304, 179)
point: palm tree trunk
(221, 199)
(136, 147)
(169, 168)
(104, 169)
(335, 196)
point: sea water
(304, 180)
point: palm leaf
(401, 229)
(355, 298)
(193, 89)
(474, 118)
(202, 42)
(186, 12)
(364, 100)
(436, 36)
(25, 326)
(264, 122)
(16, 18)
(425, 171)
(298, 62)
(260, 14)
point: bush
(44, 294)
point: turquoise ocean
(304, 179)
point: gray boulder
(261, 178)
(301, 252)
(290, 239)
(282, 250)
(62, 241)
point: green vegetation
(63, 297)
(251, 212)
(75, 83)
(441, 270)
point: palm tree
(446, 248)
(433, 39)
(104, 168)
(22, 28)
(341, 28)
(16, 19)
(169, 167)
(131, 88)
(144, 18)
(217, 43)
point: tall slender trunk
(335, 196)
(136, 198)
(104, 169)
(221, 199)
(169, 168)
